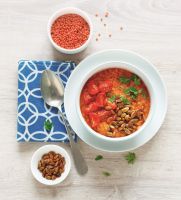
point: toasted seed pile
(124, 119)
(51, 165)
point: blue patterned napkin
(32, 110)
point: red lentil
(70, 31)
(106, 14)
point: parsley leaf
(124, 100)
(130, 157)
(136, 79)
(106, 173)
(124, 79)
(48, 125)
(99, 157)
(132, 91)
(112, 98)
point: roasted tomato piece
(92, 88)
(87, 97)
(100, 99)
(105, 86)
(94, 120)
(104, 114)
(91, 107)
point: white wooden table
(151, 28)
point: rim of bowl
(69, 10)
(117, 64)
(37, 156)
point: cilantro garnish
(124, 100)
(136, 79)
(130, 157)
(124, 79)
(48, 125)
(99, 157)
(132, 91)
(106, 173)
(112, 98)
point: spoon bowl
(52, 89)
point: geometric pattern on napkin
(32, 110)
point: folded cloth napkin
(32, 110)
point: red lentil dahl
(70, 31)
(115, 102)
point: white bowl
(74, 85)
(131, 68)
(69, 10)
(37, 157)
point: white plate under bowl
(92, 62)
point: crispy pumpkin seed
(120, 122)
(113, 123)
(125, 109)
(127, 117)
(118, 118)
(133, 114)
(123, 125)
(119, 113)
(123, 115)
(110, 134)
(127, 131)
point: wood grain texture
(151, 28)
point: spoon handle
(79, 161)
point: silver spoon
(52, 91)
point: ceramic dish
(69, 10)
(128, 67)
(89, 64)
(37, 156)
